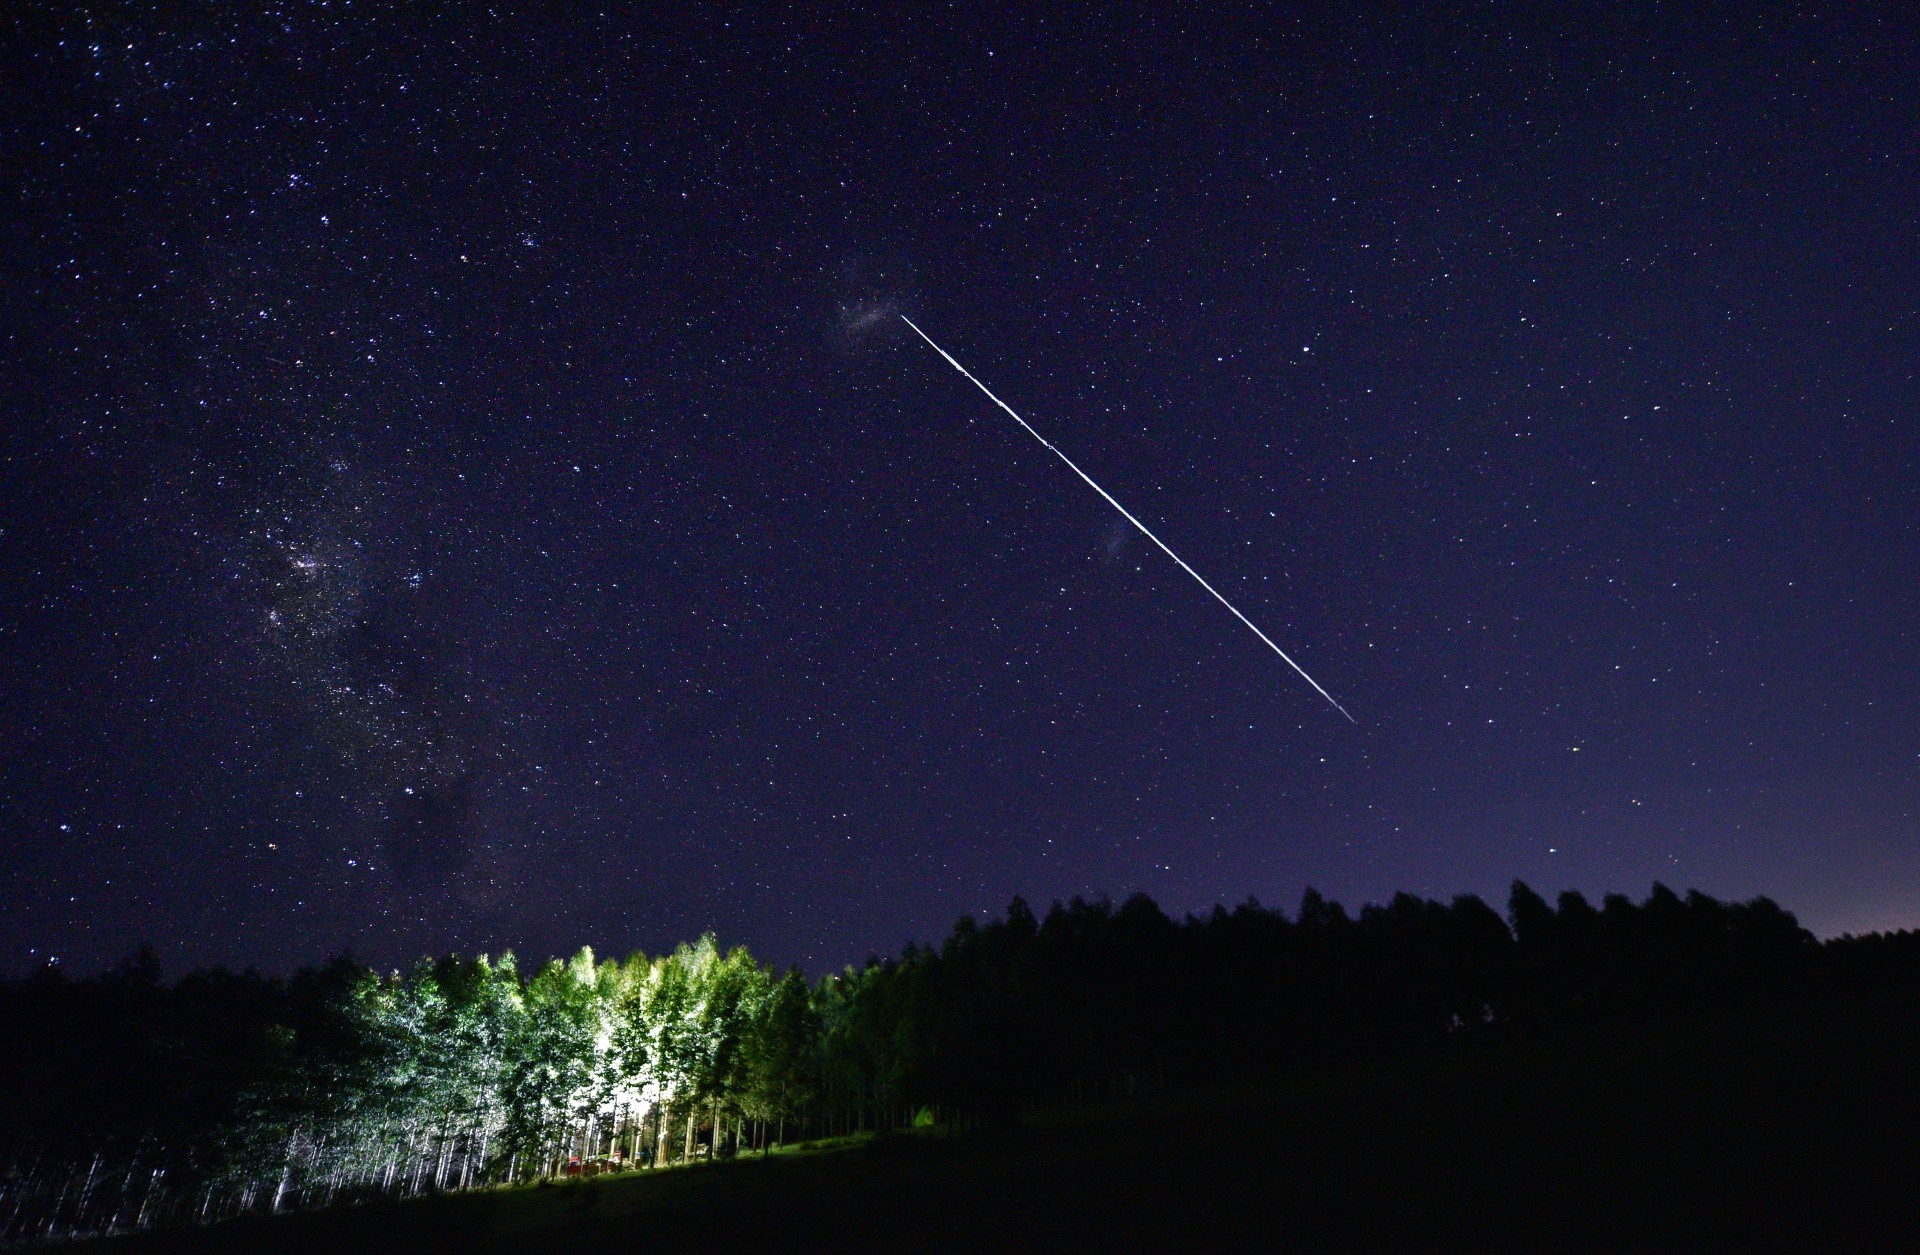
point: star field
(466, 484)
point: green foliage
(228, 1094)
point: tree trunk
(120, 1197)
(286, 1172)
(446, 1157)
(86, 1192)
(486, 1140)
(417, 1149)
(153, 1183)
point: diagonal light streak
(1051, 448)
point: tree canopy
(134, 1103)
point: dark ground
(1747, 1135)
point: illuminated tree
(550, 1079)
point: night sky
(466, 486)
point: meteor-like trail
(1129, 517)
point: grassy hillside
(1773, 1134)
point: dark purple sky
(463, 485)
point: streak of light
(1049, 445)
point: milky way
(498, 404)
(361, 637)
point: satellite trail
(1124, 514)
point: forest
(131, 1103)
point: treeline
(128, 1103)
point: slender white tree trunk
(486, 1138)
(286, 1172)
(146, 1200)
(86, 1192)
